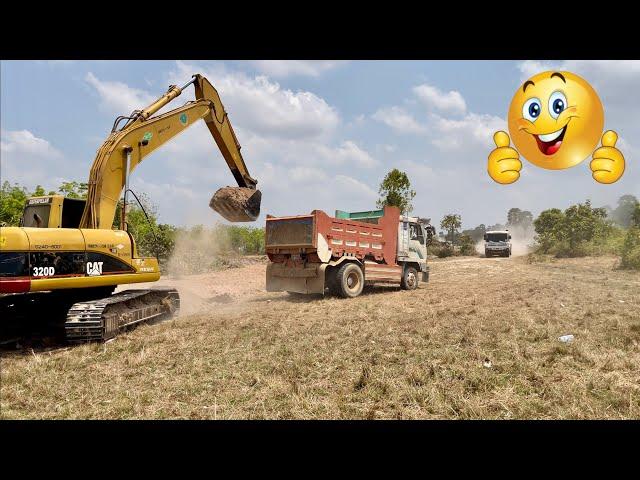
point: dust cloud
(198, 250)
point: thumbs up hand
(608, 162)
(504, 163)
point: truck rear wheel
(349, 280)
(409, 279)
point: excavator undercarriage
(94, 315)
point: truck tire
(409, 279)
(349, 280)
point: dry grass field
(479, 341)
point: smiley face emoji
(555, 120)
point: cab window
(415, 233)
(36, 216)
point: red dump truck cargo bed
(318, 234)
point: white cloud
(356, 187)
(433, 97)
(264, 107)
(602, 69)
(347, 154)
(117, 97)
(25, 142)
(286, 68)
(307, 175)
(471, 131)
(25, 159)
(399, 120)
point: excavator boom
(125, 148)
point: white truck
(498, 243)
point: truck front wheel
(349, 280)
(409, 279)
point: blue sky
(316, 134)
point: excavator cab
(52, 211)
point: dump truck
(317, 253)
(497, 242)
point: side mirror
(509, 237)
(485, 237)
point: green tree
(12, 200)
(152, 238)
(583, 223)
(74, 189)
(396, 190)
(548, 227)
(451, 223)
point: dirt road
(479, 341)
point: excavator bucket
(237, 204)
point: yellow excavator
(65, 260)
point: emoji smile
(550, 143)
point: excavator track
(102, 319)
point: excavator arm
(125, 148)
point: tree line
(151, 236)
(579, 230)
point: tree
(631, 247)
(74, 189)
(519, 218)
(467, 245)
(549, 226)
(582, 223)
(152, 238)
(635, 217)
(395, 190)
(451, 223)
(623, 213)
(571, 231)
(12, 200)
(477, 233)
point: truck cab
(497, 243)
(413, 238)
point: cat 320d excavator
(65, 260)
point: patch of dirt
(480, 340)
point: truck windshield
(496, 237)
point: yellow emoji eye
(531, 109)
(557, 104)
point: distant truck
(497, 242)
(313, 253)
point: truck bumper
(299, 280)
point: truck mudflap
(309, 279)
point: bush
(467, 247)
(631, 249)
(579, 231)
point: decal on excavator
(94, 268)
